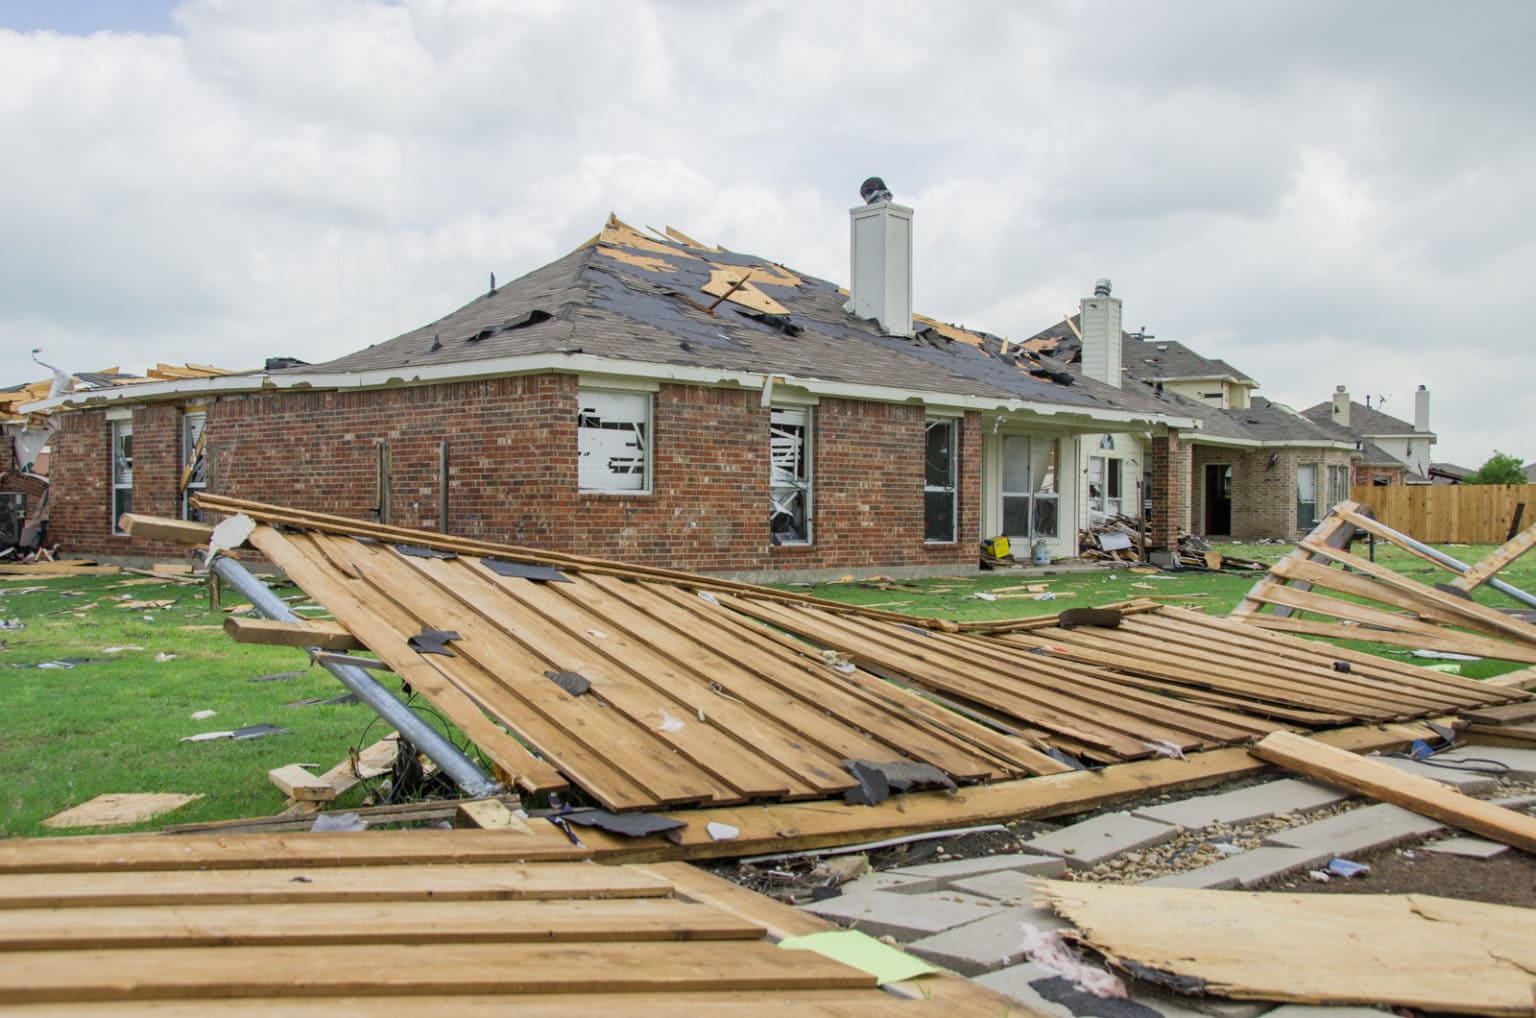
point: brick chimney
(881, 276)
(1421, 409)
(1341, 406)
(1101, 335)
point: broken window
(122, 472)
(1306, 496)
(194, 468)
(789, 482)
(613, 441)
(1029, 487)
(1338, 485)
(940, 452)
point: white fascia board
(590, 365)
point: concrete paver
(1287, 795)
(1004, 885)
(1246, 869)
(1521, 763)
(962, 869)
(903, 916)
(897, 883)
(1470, 782)
(1469, 848)
(1089, 843)
(985, 945)
(1361, 830)
(1026, 981)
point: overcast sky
(1319, 193)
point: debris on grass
(119, 809)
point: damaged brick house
(1253, 469)
(646, 398)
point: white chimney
(1101, 335)
(1421, 409)
(881, 277)
(1341, 406)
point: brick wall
(512, 455)
(1263, 492)
(1170, 458)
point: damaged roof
(668, 300)
(1144, 359)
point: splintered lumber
(299, 784)
(1483, 570)
(490, 814)
(159, 528)
(1410, 951)
(1422, 795)
(318, 633)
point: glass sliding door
(1030, 499)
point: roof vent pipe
(881, 255)
(1102, 288)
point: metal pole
(464, 772)
(1459, 566)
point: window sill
(616, 494)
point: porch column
(1170, 490)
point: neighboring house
(650, 399)
(1406, 445)
(1530, 473)
(1253, 469)
(1448, 473)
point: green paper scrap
(863, 952)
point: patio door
(1031, 504)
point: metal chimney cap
(874, 191)
(1102, 288)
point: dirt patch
(1508, 879)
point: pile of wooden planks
(340, 924)
(1324, 589)
(649, 689)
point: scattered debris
(119, 809)
(248, 732)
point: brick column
(1170, 490)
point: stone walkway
(972, 915)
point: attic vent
(780, 322)
(522, 321)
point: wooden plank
(1334, 531)
(527, 770)
(628, 746)
(367, 922)
(1408, 951)
(1422, 795)
(1504, 735)
(119, 809)
(953, 994)
(159, 528)
(396, 969)
(297, 783)
(1484, 569)
(490, 815)
(1525, 678)
(153, 870)
(319, 633)
(1471, 614)
(800, 1003)
(1505, 714)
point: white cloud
(1318, 194)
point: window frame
(195, 460)
(1315, 468)
(120, 473)
(950, 485)
(591, 439)
(782, 487)
(1040, 493)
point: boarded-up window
(789, 482)
(939, 456)
(613, 441)
(122, 472)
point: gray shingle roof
(627, 296)
(1149, 360)
(1363, 420)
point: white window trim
(647, 438)
(953, 488)
(121, 427)
(808, 485)
(186, 454)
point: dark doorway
(1218, 499)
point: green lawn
(114, 723)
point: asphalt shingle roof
(628, 296)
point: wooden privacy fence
(1459, 513)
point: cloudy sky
(1320, 193)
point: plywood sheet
(1412, 951)
(118, 809)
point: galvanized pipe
(1459, 566)
(463, 771)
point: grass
(115, 722)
